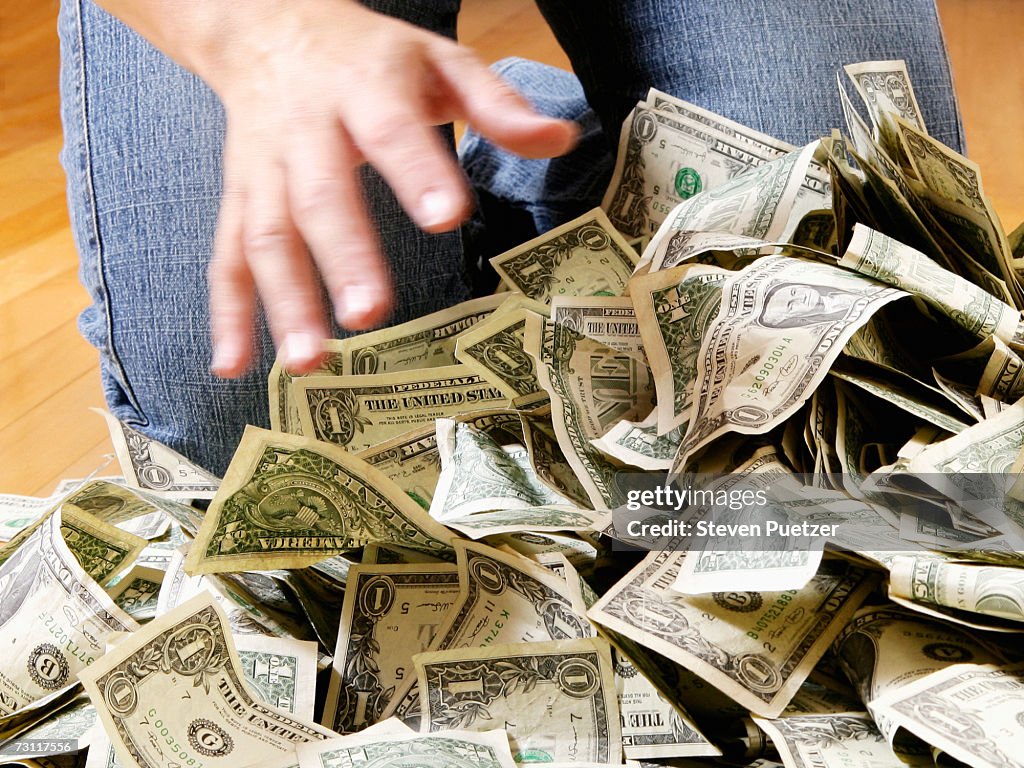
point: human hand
(312, 89)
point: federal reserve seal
(740, 602)
(209, 739)
(48, 667)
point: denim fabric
(143, 144)
(769, 65)
(517, 199)
(142, 154)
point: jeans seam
(961, 135)
(93, 215)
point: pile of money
(430, 559)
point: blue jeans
(143, 144)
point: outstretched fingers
(282, 269)
(231, 286)
(327, 206)
(293, 220)
(495, 109)
(398, 138)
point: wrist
(217, 38)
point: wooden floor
(48, 375)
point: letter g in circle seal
(209, 739)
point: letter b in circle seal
(47, 667)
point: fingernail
(436, 209)
(300, 348)
(357, 303)
(225, 358)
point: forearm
(213, 37)
(187, 30)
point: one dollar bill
(288, 502)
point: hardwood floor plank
(98, 459)
(31, 315)
(51, 436)
(29, 113)
(39, 371)
(42, 220)
(31, 265)
(983, 38)
(31, 174)
(505, 28)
